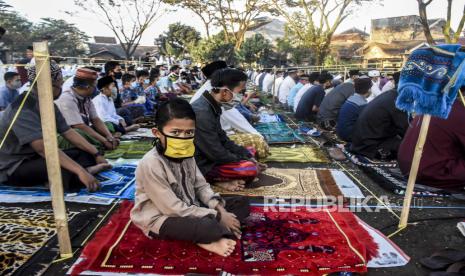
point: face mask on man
(146, 81)
(114, 91)
(118, 75)
(177, 147)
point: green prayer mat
(130, 150)
(298, 154)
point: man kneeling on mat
(173, 199)
(221, 161)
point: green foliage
(18, 30)
(212, 49)
(179, 39)
(256, 49)
(65, 38)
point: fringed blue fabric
(430, 80)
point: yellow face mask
(179, 148)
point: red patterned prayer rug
(273, 243)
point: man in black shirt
(380, 128)
(309, 105)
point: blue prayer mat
(279, 133)
(115, 183)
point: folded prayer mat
(392, 180)
(430, 80)
(254, 141)
(288, 242)
(298, 154)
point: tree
(127, 19)
(449, 35)
(179, 39)
(234, 17)
(255, 49)
(313, 22)
(65, 38)
(18, 29)
(214, 48)
(202, 8)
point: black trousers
(207, 229)
(34, 171)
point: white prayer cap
(373, 73)
(337, 77)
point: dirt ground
(432, 228)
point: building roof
(354, 30)
(116, 50)
(393, 49)
(105, 39)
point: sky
(361, 18)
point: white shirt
(233, 119)
(268, 83)
(284, 89)
(277, 85)
(2, 73)
(106, 109)
(375, 91)
(300, 94)
(205, 87)
(257, 79)
(67, 84)
(388, 86)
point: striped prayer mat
(286, 183)
(298, 154)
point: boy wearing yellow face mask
(173, 199)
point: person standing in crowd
(332, 102)
(267, 81)
(286, 86)
(352, 107)
(311, 80)
(22, 157)
(303, 80)
(221, 161)
(261, 80)
(9, 92)
(277, 83)
(380, 127)
(310, 103)
(106, 110)
(375, 90)
(172, 199)
(79, 111)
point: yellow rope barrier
(22, 104)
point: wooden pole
(47, 115)
(414, 170)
